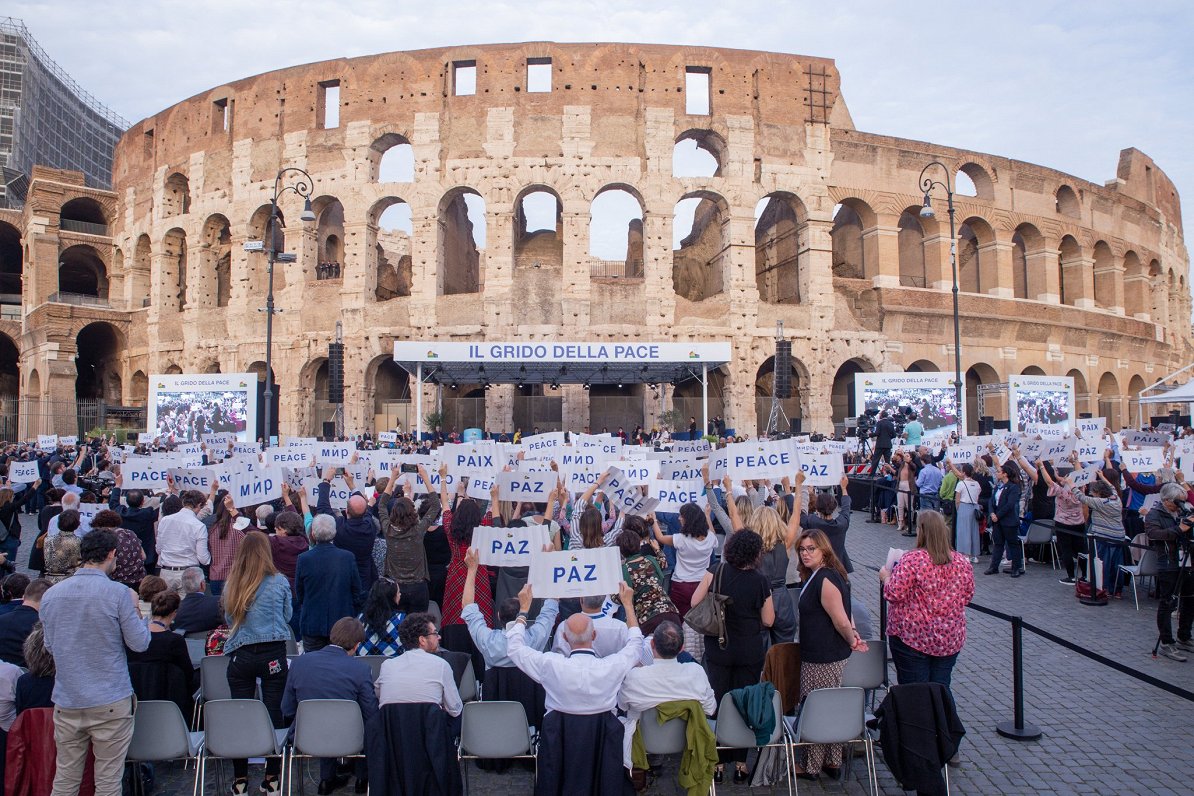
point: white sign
(609, 445)
(822, 470)
(47, 442)
(1091, 426)
(216, 440)
(1145, 439)
(1090, 450)
(145, 437)
(1057, 450)
(287, 457)
(192, 479)
(640, 472)
(476, 459)
(215, 407)
(753, 460)
(1048, 400)
(931, 396)
(1143, 461)
(701, 447)
(578, 479)
(301, 442)
(68, 442)
(335, 454)
(1086, 475)
(509, 547)
(480, 487)
(960, 454)
(1045, 431)
(23, 472)
(576, 573)
(144, 473)
(671, 495)
(337, 493)
(249, 489)
(680, 470)
(527, 487)
(543, 446)
(387, 436)
(592, 353)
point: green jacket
(755, 703)
(700, 755)
(949, 485)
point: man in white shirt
(611, 632)
(665, 680)
(182, 540)
(580, 751)
(70, 502)
(418, 674)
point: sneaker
(1171, 652)
(1185, 646)
(240, 787)
(270, 786)
(1068, 581)
(974, 559)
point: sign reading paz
(509, 547)
(527, 487)
(576, 573)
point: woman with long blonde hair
(778, 537)
(257, 608)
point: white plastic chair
(1147, 568)
(836, 716)
(324, 728)
(495, 731)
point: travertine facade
(1059, 276)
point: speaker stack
(783, 368)
(336, 373)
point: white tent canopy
(1178, 395)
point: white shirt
(692, 556)
(664, 680)
(8, 694)
(611, 636)
(182, 540)
(418, 676)
(581, 684)
(83, 529)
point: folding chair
(867, 670)
(468, 684)
(1042, 535)
(196, 647)
(324, 728)
(375, 662)
(213, 684)
(836, 716)
(235, 728)
(1146, 568)
(160, 733)
(732, 733)
(495, 730)
(669, 738)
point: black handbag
(708, 617)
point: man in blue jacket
(333, 673)
(327, 585)
(138, 519)
(356, 530)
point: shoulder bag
(708, 617)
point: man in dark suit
(327, 584)
(885, 433)
(333, 673)
(17, 624)
(138, 519)
(198, 612)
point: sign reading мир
(515, 351)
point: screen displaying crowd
(187, 415)
(935, 407)
(1043, 406)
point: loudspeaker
(783, 368)
(795, 423)
(1003, 425)
(336, 373)
(329, 429)
(986, 425)
(1085, 415)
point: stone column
(1001, 275)
(1043, 283)
(938, 272)
(499, 409)
(884, 240)
(576, 271)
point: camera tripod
(1182, 555)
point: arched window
(83, 215)
(392, 230)
(616, 233)
(11, 260)
(1070, 277)
(81, 272)
(912, 250)
(1067, 202)
(176, 198)
(538, 229)
(330, 236)
(217, 262)
(392, 159)
(780, 237)
(462, 232)
(700, 240)
(1107, 278)
(850, 218)
(697, 153)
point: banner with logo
(215, 407)
(930, 397)
(527, 487)
(1146, 460)
(760, 460)
(543, 446)
(144, 473)
(576, 573)
(509, 547)
(200, 479)
(822, 470)
(1145, 439)
(1046, 400)
(1091, 426)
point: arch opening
(781, 236)
(616, 233)
(83, 214)
(329, 236)
(912, 251)
(392, 159)
(700, 241)
(538, 229)
(462, 233)
(392, 230)
(12, 260)
(97, 363)
(81, 272)
(176, 196)
(697, 153)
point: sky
(1062, 84)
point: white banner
(671, 495)
(576, 573)
(69, 442)
(578, 479)
(701, 447)
(145, 437)
(1091, 426)
(301, 442)
(543, 446)
(1145, 439)
(527, 487)
(249, 489)
(415, 486)
(963, 453)
(1142, 461)
(482, 458)
(608, 445)
(387, 436)
(480, 486)
(192, 479)
(22, 472)
(246, 449)
(680, 470)
(336, 454)
(287, 457)
(337, 494)
(216, 440)
(509, 547)
(754, 460)
(1087, 475)
(640, 472)
(47, 442)
(1090, 450)
(1057, 450)
(1045, 431)
(822, 470)
(593, 353)
(144, 473)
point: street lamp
(301, 187)
(927, 184)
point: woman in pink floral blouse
(927, 591)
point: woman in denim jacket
(257, 607)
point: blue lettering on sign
(761, 460)
(147, 475)
(262, 487)
(479, 462)
(517, 548)
(530, 487)
(815, 469)
(586, 573)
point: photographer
(885, 434)
(1168, 527)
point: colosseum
(579, 192)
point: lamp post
(301, 186)
(927, 184)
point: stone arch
(462, 232)
(212, 366)
(83, 214)
(176, 196)
(173, 369)
(1069, 260)
(389, 236)
(138, 389)
(616, 227)
(81, 272)
(923, 366)
(538, 234)
(215, 270)
(852, 257)
(1066, 202)
(174, 270)
(1135, 385)
(329, 237)
(842, 395)
(975, 237)
(391, 159)
(97, 363)
(699, 250)
(793, 407)
(313, 386)
(1033, 370)
(980, 180)
(33, 386)
(1110, 400)
(698, 153)
(12, 260)
(258, 274)
(1035, 255)
(1081, 392)
(1108, 278)
(388, 392)
(912, 250)
(781, 238)
(10, 368)
(978, 374)
(1136, 303)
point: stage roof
(530, 362)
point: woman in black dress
(164, 670)
(748, 615)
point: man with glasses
(419, 674)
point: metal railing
(615, 269)
(86, 227)
(79, 299)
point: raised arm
(736, 523)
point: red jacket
(29, 764)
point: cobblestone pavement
(1104, 732)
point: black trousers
(724, 678)
(1167, 587)
(879, 453)
(246, 665)
(1071, 540)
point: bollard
(1018, 729)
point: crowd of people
(1048, 407)
(187, 416)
